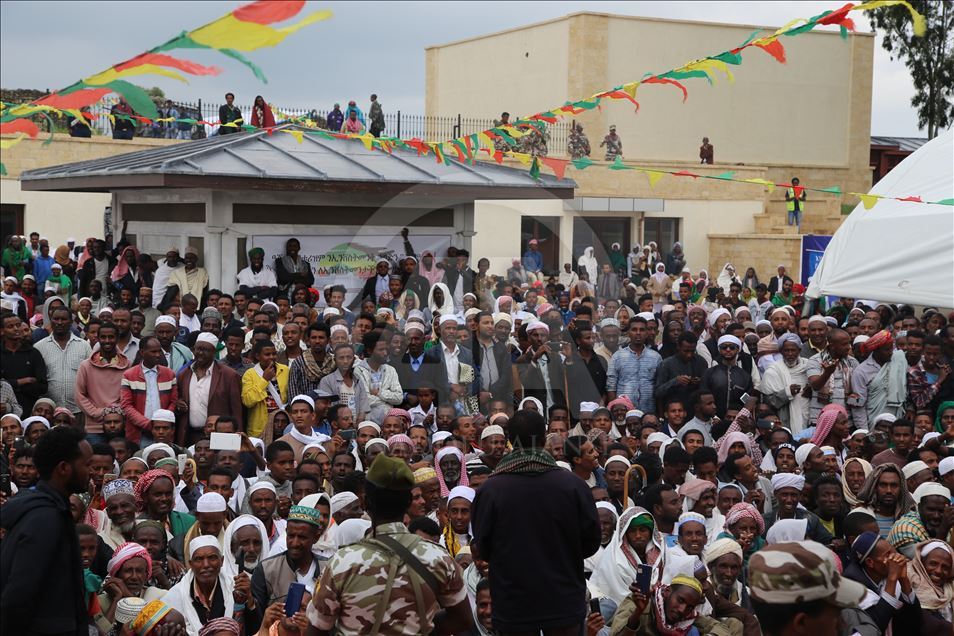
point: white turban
(616, 459)
(715, 315)
(166, 320)
(370, 424)
(787, 480)
(801, 453)
(207, 337)
(336, 328)
(730, 339)
(721, 547)
(149, 450)
(502, 317)
(658, 437)
(913, 468)
(493, 429)
(463, 492)
(210, 502)
(538, 325)
(303, 398)
(449, 318)
(588, 407)
(605, 505)
(262, 485)
(203, 541)
(341, 500)
(163, 415)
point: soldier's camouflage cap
(798, 572)
(390, 473)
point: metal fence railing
(397, 123)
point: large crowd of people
(619, 447)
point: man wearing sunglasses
(726, 380)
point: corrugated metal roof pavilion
(276, 160)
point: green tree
(929, 58)
(157, 94)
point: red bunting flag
(268, 11)
(557, 165)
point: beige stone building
(808, 118)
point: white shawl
(589, 263)
(447, 307)
(776, 386)
(614, 573)
(179, 598)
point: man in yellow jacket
(264, 387)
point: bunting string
(247, 29)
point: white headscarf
(229, 567)
(448, 306)
(589, 263)
(614, 574)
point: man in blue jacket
(533, 262)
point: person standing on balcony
(335, 118)
(262, 116)
(706, 151)
(795, 202)
(376, 113)
(500, 144)
(353, 123)
(124, 126)
(578, 146)
(614, 145)
(229, 113)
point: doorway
(546, 230)
(11, 221)
(600, 233)
(663, 231)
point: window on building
(11, 220)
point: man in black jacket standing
(727, 381)
(460, 280)
(536, 583)
(41, 573)
(492, 362)
(228, 114)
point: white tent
(897, 251)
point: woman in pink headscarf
(126, 274)
(429, 269)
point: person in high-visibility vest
(795, 202)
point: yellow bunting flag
(918, 23)
(868, 200)
(9, 142)
(654, 177)
(231, 33)
(112, 74)
(297, 134)
(766, 183)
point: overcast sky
(366, 47)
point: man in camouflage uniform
(534, 142)
(500, 144)
(578, 145)
(393, 582)
(795, 588)
(613, 143)
(376, 117)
